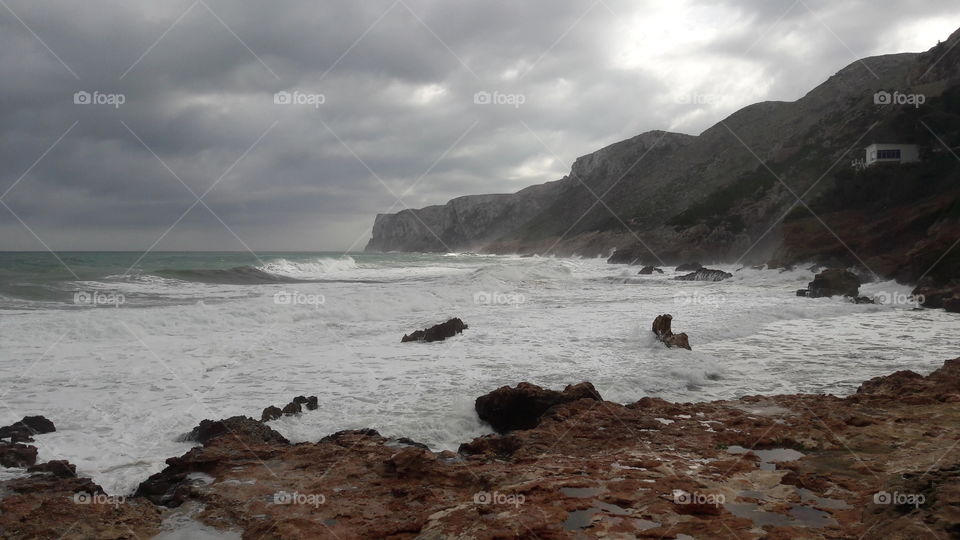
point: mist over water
(141, 356)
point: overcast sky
(187, 93)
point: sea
(126, 352)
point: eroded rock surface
(882, 463)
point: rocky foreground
(882, 463)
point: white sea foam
(122, 383)
(318, 268)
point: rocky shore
(882, 463)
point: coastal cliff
(661, 198)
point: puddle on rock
(768, 458)
(581, 519)
(581, 493)
(800, 516)
(823, 502)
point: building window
(888, 154)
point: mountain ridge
(666, 197)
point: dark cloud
(398, 80)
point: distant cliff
(466, 223)
(664, 197)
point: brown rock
(661, 327)
(59, 468)
(17, 455)
(242, 427)
(507, 409)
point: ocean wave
(317, 268)
(240, 275)
(542, 270)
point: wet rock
(60, 468)
(621, 465)
(662, 329)
(834, 282)
(25, 429)
(242, 427)
(507, 409)
(409, 461)
(71, 508)
(292, 408)
(705, 274)
(310, 403)
(410, 442)
(439, 332)
(939, 295)
(271, 413)
(345, 437)
(689, 267)
(501, 446)
(649, 270)
(17, 455)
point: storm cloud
(288, 125)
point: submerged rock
(661, 327)
(705, 274)
(439, 332)
(649, 270)
(507, 409)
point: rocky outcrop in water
(661, 328)
(647, 270)
(507, 409)
(437, 332)
(705, 274)
(25, 429)
(833, 282)
(239, 427)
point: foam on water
(319, 268)
(122, 383)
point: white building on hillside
(892, 153)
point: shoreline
(786, 466)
